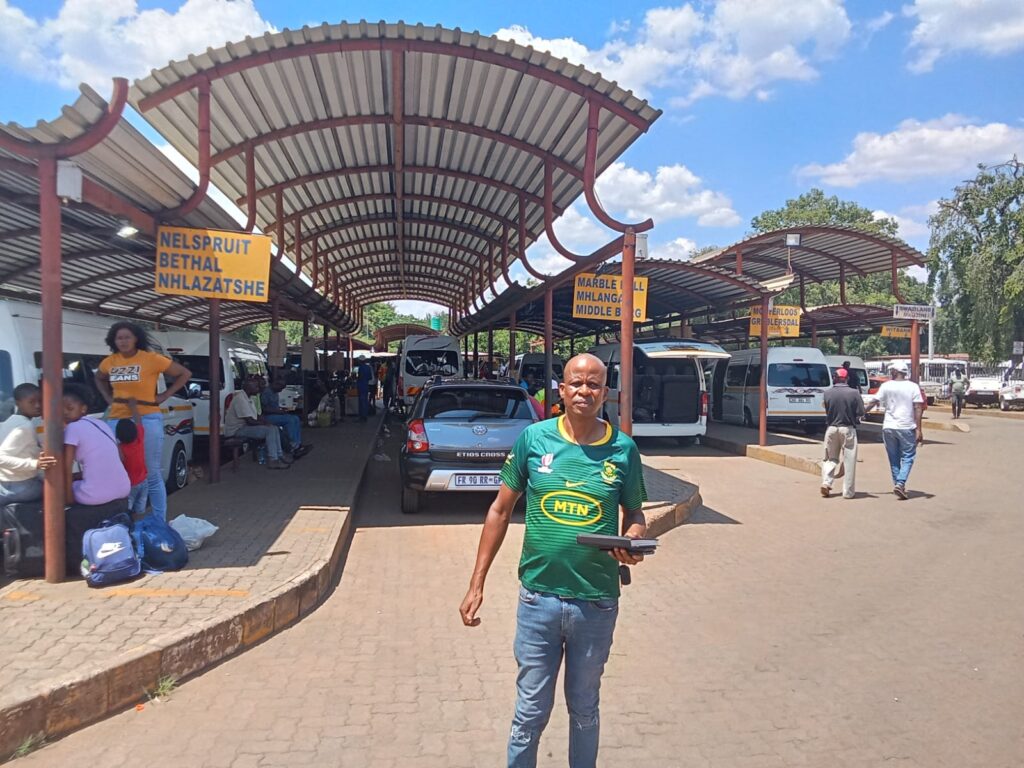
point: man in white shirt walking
(901, 429)
(20, 458)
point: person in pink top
(92, 444)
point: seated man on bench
(274, 414)
(240, 420)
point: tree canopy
(976, 256)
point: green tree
(976, 256)
(814, 207)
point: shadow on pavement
(705, 515)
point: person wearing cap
(901, 429)
(844, 408)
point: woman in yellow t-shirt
(132, 373)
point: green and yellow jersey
(572, 489)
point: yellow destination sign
(212, 264)
(599, 297)
(895, 332)
(782, 321)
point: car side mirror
(194, 390)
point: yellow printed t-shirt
(134, 376)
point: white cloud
(736, 50)
(945, 147)
(907, 228)
(680, 249)
(417, 308)
(92, 41)
(674, 192)
(992, 27)
(879, 22)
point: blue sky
(889, 104)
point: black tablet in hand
(606, 543)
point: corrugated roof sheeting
(102, 272)
(316, 103)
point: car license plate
(477, 481)
(799, 399)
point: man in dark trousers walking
(364, 374)
(844, 408)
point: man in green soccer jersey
(576, 471)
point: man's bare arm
(495, 526)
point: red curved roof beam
(369, 283)
(352, 121)
(71, 287)
(27, 269)
(85, 141)
(344, 269)
(389, 196)
(757, 257)
(203, 122)
(854, 233)
(590, 176)
(218, 71)
(781, 243)
(522, 238)
(549, 219)
(413, 169)
(424, 292)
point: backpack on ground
(108, 555)
(160, 547)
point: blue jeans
(364, 400)
(153, 424)
(137, 497)
(290, 423)
(548, 627)
(16, 491)
(901, 447)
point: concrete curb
(57, 707)
(662, 517)
(799, 463)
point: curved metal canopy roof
(384, 336)
(828, 320)
(393, 161)
(126, 179)
(675, 288)
(824, 253)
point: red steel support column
(548, 348)
(626, 334)
(476, 355)
(350, 353)
(511, 341)
(53, 367)
(762, 408)
(842, 284)
(215, 390)
(250, 189)
(915, 350)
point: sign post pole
(626, 333)
(915, 351)
(762, 408)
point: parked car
(1011, 393)
(458, 435)
(983, 390)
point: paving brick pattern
(777, 628)
(273, 524)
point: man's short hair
(25, 390)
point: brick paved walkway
(273, 525)
(776, 629)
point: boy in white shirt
(20, 457)
(901, 429)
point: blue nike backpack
(108, 555)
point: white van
(797, 380)
(533, 363)
(858, 376)
(238, 361)
(21, 360)
(670, 394)
(422, 358)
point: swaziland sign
(212, 264)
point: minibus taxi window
(736, 375)
(798, 375)
(754, 375)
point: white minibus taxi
(797, 380)
(238, 360)
(422, 358)
(670, 394)
(21, 360)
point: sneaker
(301, 451)
(825, 491)
(277, 464)
(901, 492)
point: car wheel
(177, 478)
(748, 420)
(410, 501)
(1003, 405)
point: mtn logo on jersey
(571, 508)
(545, 463)
(609, 472)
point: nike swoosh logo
(570, 484)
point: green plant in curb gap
(31, 744)
(165, 686)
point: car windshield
(798, 375)
(476, 403)
(431, 362)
